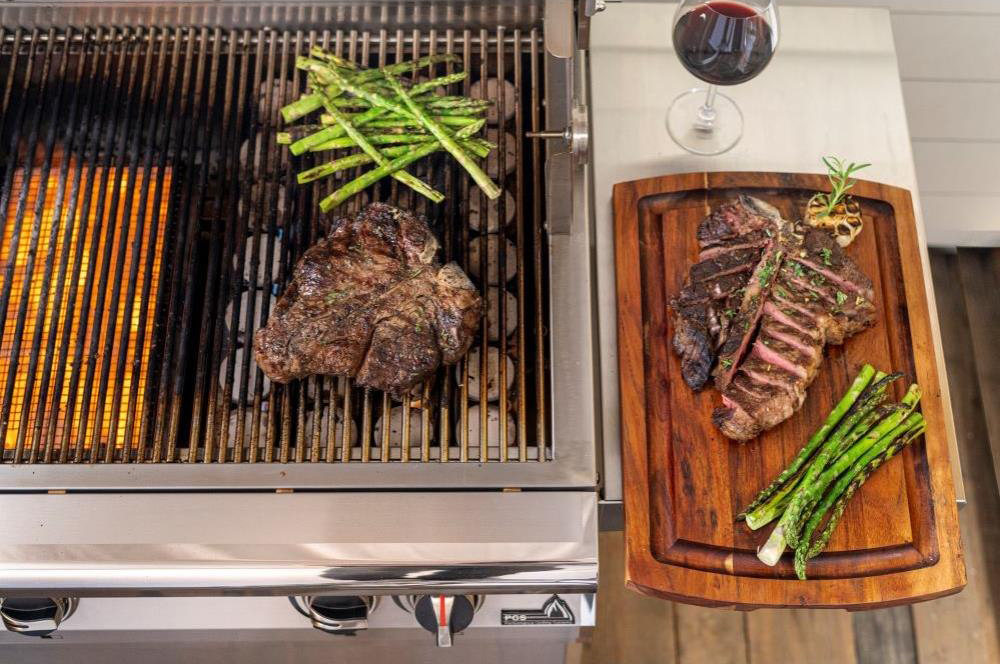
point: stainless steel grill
(149, 221)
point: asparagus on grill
(392, 121)
(372, 176)
(409, 180)
(483, 180)
(474, 145)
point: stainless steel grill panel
(159, 144)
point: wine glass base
(689, 132)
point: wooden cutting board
(684, 482)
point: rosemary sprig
(840, 181)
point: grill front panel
(150, 220)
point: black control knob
(444, 615)
(339, 614)
(35, 616)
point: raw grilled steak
(732, 240)
(371, 301)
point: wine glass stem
(706, 114)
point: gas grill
(149, 222)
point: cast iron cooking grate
(148, 222)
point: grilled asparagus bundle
(391, 120)
(859, 435)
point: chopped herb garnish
(333, 296)
(767, 231)
(765, 273)
(817, 279)
(841, 298)
(858, 301)
(726, 362)
(781, 291)
(417, 328)
(826, 254)
(797, 269)
(728, 313)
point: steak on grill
(371, 301)
(759, 306)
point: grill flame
(49, 418)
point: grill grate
(149, 222)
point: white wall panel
(952, 110)
(951, 47)
(957, 168)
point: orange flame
(24, 423)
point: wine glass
(722, 42)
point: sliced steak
(371, 301)
(744, 323)
(731, 241)
(759, 305)
(729, 263)
(809, 304)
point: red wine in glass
(722, 42)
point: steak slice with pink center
(805, 309)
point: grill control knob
(336, 614)
(36, 616)
(444, 615)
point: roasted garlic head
(844, 222)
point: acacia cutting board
(684, 482)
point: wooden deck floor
(962, 629)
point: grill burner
(159, 140)
(53, 404)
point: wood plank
(898, 542)
(953, 46)
(710, 636)
(980, 271)
(884, 636)
(957, 168)
(964, 628)
(950, 110)
(789, 636)
(630, 628)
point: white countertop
(832, 89)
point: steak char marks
(817, 296)
(371, 301)
(760, 304)
(731, 241)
